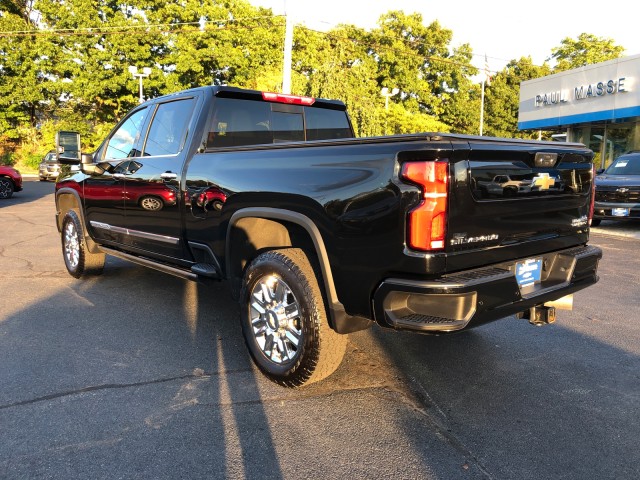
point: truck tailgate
(513, 199)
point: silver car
(49, 167)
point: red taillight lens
(593, 194)
(428, 221)
(285, 98)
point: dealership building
(598, 105)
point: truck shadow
(133, 370)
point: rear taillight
(593, 193)
(427, 225)
(285, 98)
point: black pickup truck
(320, 234)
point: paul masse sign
(604, 91)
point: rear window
(323, 124)
(237, 122)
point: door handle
(168, 176)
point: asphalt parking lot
(135, 374)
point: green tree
(587, 49)
(418, 60)
(502, 98)
(353, 65)
(338, 66)
(25, 60)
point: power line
(106, 30)
(217, 25)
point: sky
(500, 29)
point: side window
(124, 139)
(169, 126)
(325, 124)
(287, 127)
(239, 122)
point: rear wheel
(6, 187)
(284, 320)
(77, 257)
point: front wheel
(77, 257)
(284, 320)
(595, 222)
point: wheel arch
(69, 199)
(257, 229)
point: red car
(10, 181)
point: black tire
(6, 187)
(77, 257)
(284, 320)
(595, 222)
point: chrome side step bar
(145, 262)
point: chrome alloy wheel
(151, 203)
(275, 319)
(71, 245)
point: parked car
(49, 167)
(504, 186)
(618, 190)
(10, 181)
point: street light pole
(146, 71)
(388, 94)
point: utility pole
(482, 107)
(486, 79)
(288, 46)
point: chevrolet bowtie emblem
(622, 190)
(544, 181)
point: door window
(169, 127)
(124, 140)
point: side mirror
(599, 171)
(68, 148)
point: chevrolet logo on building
(543, 181)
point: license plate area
(620, 212)
(528, 272)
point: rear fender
(253, 230)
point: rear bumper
(471, 298)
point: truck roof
(224, 91)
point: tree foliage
(502, 97)
(587, 49)
(65, 64)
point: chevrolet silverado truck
(319, 234)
